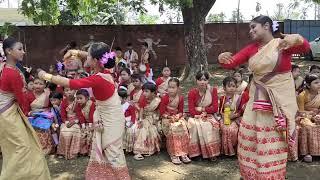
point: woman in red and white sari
(203, 127)
(107, 160)
(268, 123)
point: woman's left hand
(289, 40)
(41, 73)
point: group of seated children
(155, 116)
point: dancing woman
(107, 160)
(22, 154)
(268, 123)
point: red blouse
(11, 81)
(194, 97)
(101, 88)
(30, 97)
(63, 110)
(81, 116)
(247, 52)
(159, 81)
(165, 102)
(131, 111)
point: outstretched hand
(289, 40)
(225, 58)
(41, 73)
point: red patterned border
(256, 128)
(99, 171)
(264, 153)
(250, 173)
(207, 150)
(261, 140)
(262, 165)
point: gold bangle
(48, 77)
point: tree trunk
(194, 21)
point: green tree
(7, 29)
(216, 17)
(234, 16)
(147, 19)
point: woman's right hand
(225, 58)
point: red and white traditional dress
(40, 104)
(21, 151)
(262, 148)
(129, 135)
(107, 160)
(147, 139)
(230, 132)
(70, 137)
(86, 121)
(162, 85)
(204, 129)
(174, 126)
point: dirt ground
(159, 167)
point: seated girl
(136, 92)
(86, 107)
(70, 133)
(298, 80)
(40, 115)
(231, 109)
(241, 84)
(130, 115)
(309, 118)
(162, 82)
(174, 126)
(147, 137)
(203, 127)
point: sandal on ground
(138, 157)
(60, 157)
(307, 158)
(213, 159)
(148, 155)
(175, 160)
(185, 159)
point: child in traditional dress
(162, 82)
(55, 101)
(241, 84)
(174, 126)
(131, 116)
(125, 77)
(309, 118)
(203, 127)
(147, 137)
(30, 86)
(137, 91)
(86, 107)
(70, 133)
(298, 80)
(40, 115)
(232, 106)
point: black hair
(122, 92)
(240, 71)
(118, 49)
(150, 86)
(309, 78)
(83, 92)
(166, 67)
(176, 80)
(8, 44)
(202, 73)
(313, 67)
(98, 49)
(127, 70)
(227, 80)
(84, 74)
(122, 65)
(129, 44)
(56, 95)
(52, 86)
(293, 67)
(136, 76)
(145, 44)
(263, 20)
